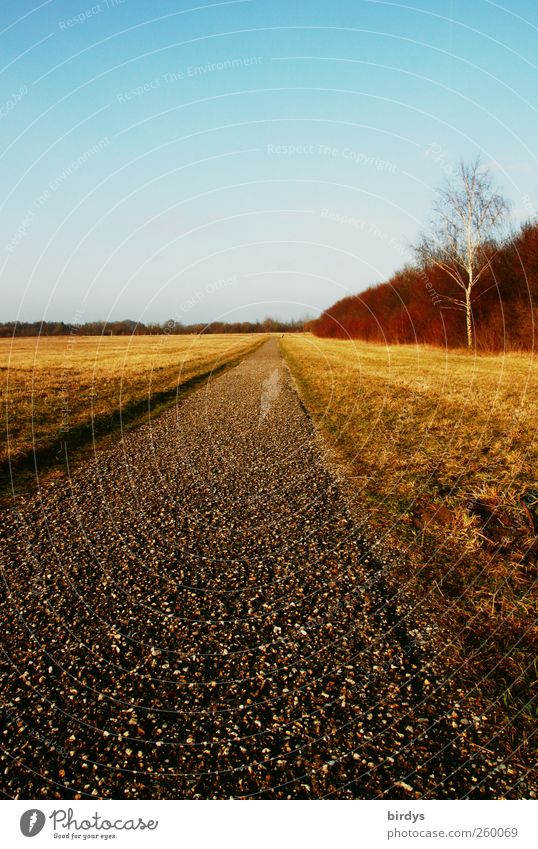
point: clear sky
(238, 159)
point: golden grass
(55, 386)
(441, 446)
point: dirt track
(195, 615)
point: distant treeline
(414, 306)
(127, 327)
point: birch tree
(467, 221)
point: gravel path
(194, 614)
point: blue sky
(240, 159)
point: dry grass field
(441, 446)
(69, 387)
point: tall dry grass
(56, 387)
(441, 446)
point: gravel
(194, 614)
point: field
(73, 387)
(441, 447)
(213, 585)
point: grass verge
(440, 448)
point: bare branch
(468, 219)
